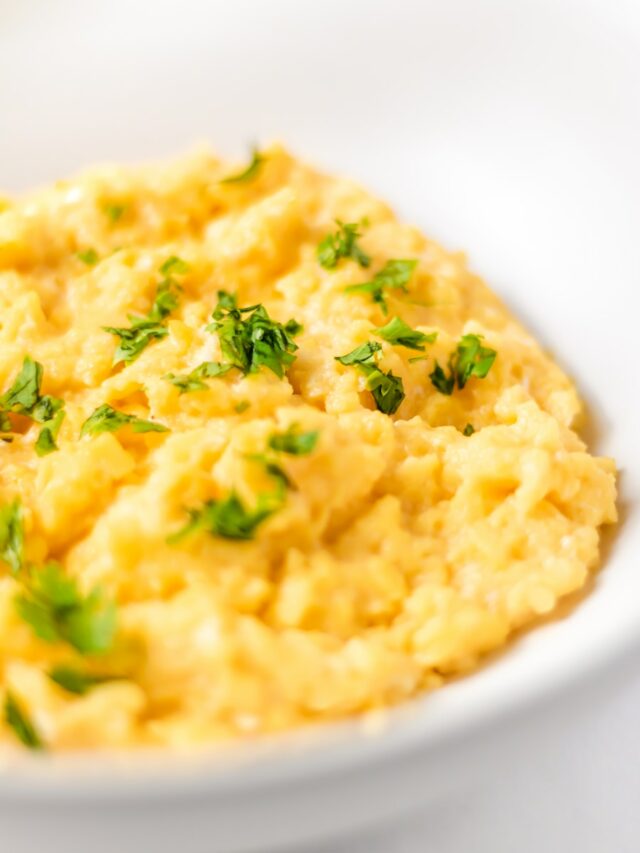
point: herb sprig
(24, 398)
(107, 419)
(136, 337)
(470, 358)
(17, 719)
(342, 244)
(395, 275)
(78, 681)
(294, 442)
(255, 340)
(386, 388)
(194, 381)
(12, 536)
(251, 171)
(399, 333)
(52, 605)
(228, 518)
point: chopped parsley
(397, 332)
(114, 212)
(135, 338)
(362, 355)
(294, 442)
(17, 719)
(24, 398)
(242, 406)
(174, 266)
(12, 536)
(187, 382)
(248, 174)
(107, 419)
(255, 340)
(52, 605)
(395, 275)
(342, 244)
(77, 681)
(470, 358)
(89, 257)
(469, 430)
(228, 518)
(46, 441)
(386, 388)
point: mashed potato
(210, 527)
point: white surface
(579, 798)
(510, 127)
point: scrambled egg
(397, 550)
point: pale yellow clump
(406, 549)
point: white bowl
(509, 128)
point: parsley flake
(143, 330)
(17, 719)
(24, 398)
(397, 332)
(56, 611)
(294, 442)
(470, 358)
(107, 419)
(395, 275)
(77, 681)
(342, 244)
(254, 341)
(136, 338)
(188, 382)
(364, 354)
(12, 536)
(248, 174)
(386, 388)
(89, 257)
(469, 430)
(114, 212)
(228, 518)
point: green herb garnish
(89, 257)
(468, 430)
(187, 382)
(77, 681)
(386, 388)
(397, 332)
(364, 354)
(56, 611)
(17, 718)
(253, 341)
(143, 330)
(114, 212)
(228, 518)
(468, 359)
(133, 340)
(294, 442)
(24, 398)
(107, 419)
(242, 406)
(174, 266)
(12, 536)
(395, 275)
(342, 244)
(248, 174)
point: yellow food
(404, 549)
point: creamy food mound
(269, 457)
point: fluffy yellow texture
(406, 550)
